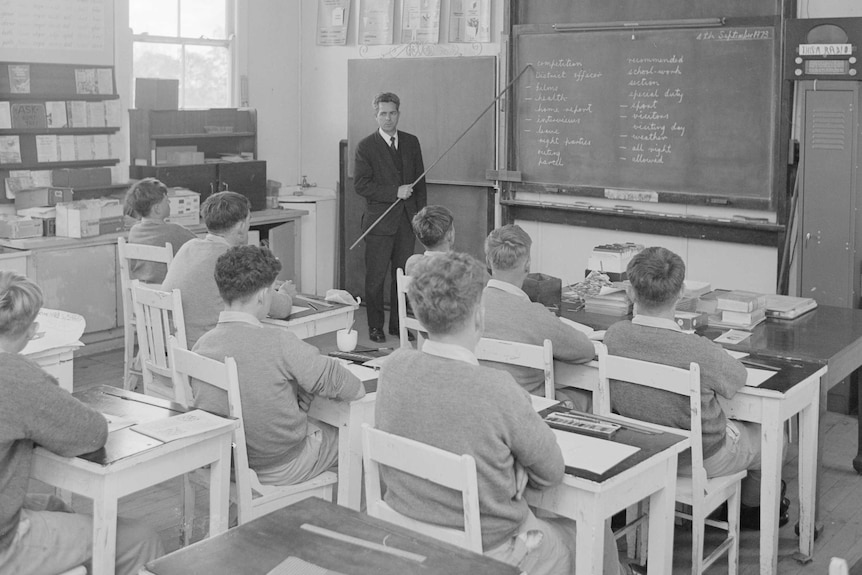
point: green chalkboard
(684, 111)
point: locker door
(827, 240)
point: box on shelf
(109, 208)
(39, 197)
(18, 227)
(613, 258)
(185, 206)
(78, 219)
(111, 225)
(81, 177)
(46, 215)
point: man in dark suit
(387, 163)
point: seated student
(511, 316)
(278, 374)
(227, 218)
(656, 275)
(39, 533)
(441, 396)
(435, 228)
(148, 200)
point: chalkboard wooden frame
(770, 195)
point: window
(188, 40)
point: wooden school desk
(327, 318)
(130, 462)
(257, 547)
(589, 499)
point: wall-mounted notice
(332, 19)
(376, 22)
(683, 111)
(57, 31)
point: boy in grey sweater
(656, 275)
(443, 397)
(40, 533)
(278, 374)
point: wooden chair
(456, 472)
(838, 566)
(125, 253)
(252, 498)
(523, 354)
(159, 316)
(701, 494)
(405, 321)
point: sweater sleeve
(569, 344)
(318, 374)
(720, 371)
(55, 420)
(532, 442)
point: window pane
(203, 18)
(156, 60)
(207, 77)
(154, 17)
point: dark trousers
(382, 254)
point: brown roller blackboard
(682, 111)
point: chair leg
(128, 355)
(733, 504)
(698, 528)
(188, 511)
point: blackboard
(685, 111)
(567, 11)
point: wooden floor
(840, 502)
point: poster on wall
(470, 21)
(420, 21)
(332, 19)
(375, 23)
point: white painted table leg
(590, 537)
(808, 431)
(771, 443)
(220, 489)
(661, 515)
(105, 528)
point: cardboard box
(20, 227)
(39, 197)
(46, 215)
(110, 208)
(111, 225)
(78, 219)
(690, 321)
(185, 206)
(157, 94)
(81, 177)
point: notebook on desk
(788, 307)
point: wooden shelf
(52, 165)
(202, 136)
(60, 97)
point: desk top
(126, 404)
(817, 336)
(649, 445)
(260, 545)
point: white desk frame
(105, 485)
(326, 320)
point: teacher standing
(387, 163)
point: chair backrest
(457, 472)
(524, 354)
(684, 382)
(159, 316)
(838, 566)
(126, 253)
(405, 322)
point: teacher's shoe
(376, 335)
(410, 336)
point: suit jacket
(376, 178)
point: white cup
(347, 340)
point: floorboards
(840, 510)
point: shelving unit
(66, 83)
(216, 132)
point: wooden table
(257, 547)
(589, 499)
(796, 389)
(310, 323)
(130, 462)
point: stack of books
(738, 309)
(610, 301)
(613, 259)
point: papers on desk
(56, 329)
(117, 422)
(584, 329)
(591, 453)
(363, 373)
(733, 336)
(757, 376)
(297, 566)
(297, 309)
(181, 426)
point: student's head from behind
(244, 276)
(387, 109)
(656, 275)
(148, 198)
(20, 301)
(435, 228)
(227, 214)
(446, 294)
(507, 253)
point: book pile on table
(738, 309)
(609, 301)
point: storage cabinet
(56, 116)
(214, 133)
